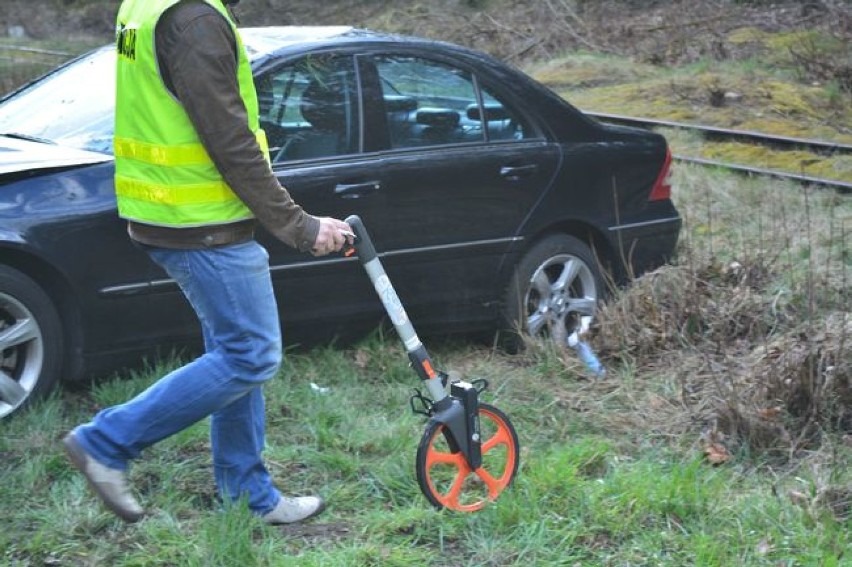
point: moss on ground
(755, 94)
(802, 162)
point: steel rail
(817, 146)
(840, 186)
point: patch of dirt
(311, 532)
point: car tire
(30, 341)
(556, 282)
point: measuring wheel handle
(417, 354)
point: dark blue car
(494, 203)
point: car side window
(430, 103)
(501, 121)
(309, 108)
(426, 102)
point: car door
(463, 168)
(311, 110)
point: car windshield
(72, 107)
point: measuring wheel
(469, 452)
(445, 476)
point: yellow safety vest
(163, 174)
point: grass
(721, 435)
(614, 472)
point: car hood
(18, 155)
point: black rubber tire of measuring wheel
(514, 312)
(38, 361)
(434, 428)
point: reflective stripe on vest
(164, 176)
(188, 154)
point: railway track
(819, 147)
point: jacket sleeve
(196, 48)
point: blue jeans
(230, 290)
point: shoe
(290, 510)
(109, 484)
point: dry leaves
(362, 359)
(717, 454)
(770, 414)
(714, 449)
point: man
(193, 179)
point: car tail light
(662, 186)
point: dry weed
(755, 373)
(676, 307)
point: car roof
(266, 41)
(261, 42)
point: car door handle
(515, 172)
(356, 190)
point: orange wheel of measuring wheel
(444, 475)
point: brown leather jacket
(197, 53)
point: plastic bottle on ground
(584, 351)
